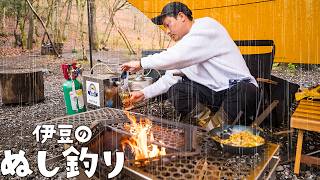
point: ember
(141, 139)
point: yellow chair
(305, 118)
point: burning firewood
(140, 142)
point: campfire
(141, 140)
(147, 142)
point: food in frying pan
(242, 139)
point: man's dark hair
(172, 9)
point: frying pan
(223, 132)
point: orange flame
(141, 135)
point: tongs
(226, 133)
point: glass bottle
(124, 91)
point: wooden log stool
(21, 86)
(305, 118)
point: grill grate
(219, 165)
(170, 135)
(87, 118)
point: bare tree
(67, 19)
(49, 12)
(35, 24)
(113, 8)
(58, 37)
(31, 28)
(94, 30)
(43, 25)
(21, 39)
(80, 8)
(125, 39)
(4, 18)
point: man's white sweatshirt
(206, 55)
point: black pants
(240, 97)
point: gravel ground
(18, 122)
(305, 76)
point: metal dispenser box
(100, 90)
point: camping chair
(260, 66)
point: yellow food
(243, 139)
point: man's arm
(162, 85)
(194, 48)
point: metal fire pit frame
(264, 168)
(190, 148)
(189, 167)
(188, 131)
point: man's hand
(136, 96)
(132, 66)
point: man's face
(175, 27)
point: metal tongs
(226, 133)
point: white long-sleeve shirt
(206, 55)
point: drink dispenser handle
(125, 80)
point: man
(213, 70)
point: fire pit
(177, 139)
(190, 151)
(209, 162)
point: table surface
(307, 116)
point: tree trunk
(134, 22)
(31, 29)
(81, 7)
(49, 14)
(66, 22)
(4, 18)
(21, 86)
(44, 27)
(95, 41)
(116, 6)
(108, 35)
(55, 20)
(35, 24)
(23, 34)
(17, 37)
(125, 39)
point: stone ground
(17, 122)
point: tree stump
(21, 86)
